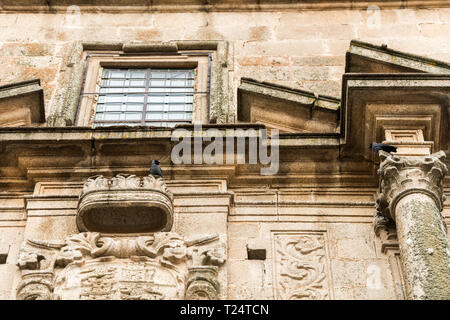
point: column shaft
(424, 247)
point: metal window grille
(155, 97)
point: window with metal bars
(153, 97)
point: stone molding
(227, 5)
(401, 176)
(384, 229)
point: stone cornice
(400, 61)
(210, 5)
(29, 134)
(294, 95)
(419, 93)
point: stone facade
(81, 218)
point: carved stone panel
(91, 266)
(110, 278)
(301, 266)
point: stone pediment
(286, 109)
(364, 57)
(21, 104)
(384, 91)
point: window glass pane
(137, 83)
(135, 90)
(112, 107)
(177, 107)
(133, 116)
(155, 107)
(157, 83)
(111, 116)
(123, 97)
(153, 116)
(158, 74)
(135, 98)
(116, 83)
(177, 115)
(178, 83)
(138, 73)
(117, 73)
(156, 99)
(133, 107)
(115, 98)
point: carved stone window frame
(96, 61)
(66, 109)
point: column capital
(400, 176)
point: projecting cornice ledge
(287, 109)
(211, 5)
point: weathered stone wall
(355, 268)
(298, 49)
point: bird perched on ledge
(376, 147)
(155, 170)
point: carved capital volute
(401, 176)
(36, 286)
(202, 283)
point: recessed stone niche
(125, 204)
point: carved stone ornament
(36, 286)
(301, 267)
(401, 176)
(90, 266)
(125, 204)
(202, 283)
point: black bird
(155, 170)
(376, 147)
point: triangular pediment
(364, 57)
(22, 104)
(286, 109)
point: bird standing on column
(376, 147)
(155, 170)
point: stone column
(412, 195)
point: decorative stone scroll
(301, 270)
(125, 204)
(88, 265)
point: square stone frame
(67, 102)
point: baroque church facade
(91, 93)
